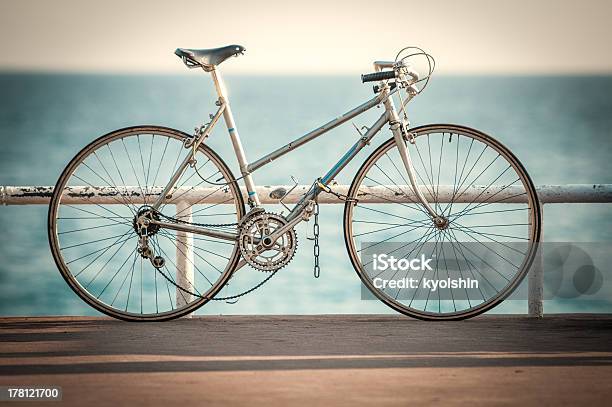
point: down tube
(352, 152)
(315, 190)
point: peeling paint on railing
(548, 194)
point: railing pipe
(548, 194)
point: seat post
(253, 198)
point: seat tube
(253, 198)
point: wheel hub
(441, 222)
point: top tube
(379, 98)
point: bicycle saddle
(207, 58)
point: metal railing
(548, 194)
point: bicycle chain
(338, 195)
(231, 297)
(316, 248)
(206, 225)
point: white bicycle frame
(398, 128)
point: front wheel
(467, 263)
(94, 237)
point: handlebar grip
(377, 76)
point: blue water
(559, 127)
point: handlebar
(377, 76)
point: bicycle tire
(534, 229)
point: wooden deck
(315, 360)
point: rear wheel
(93, 236)
(490, 220)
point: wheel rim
(490, 225)
(95, 246)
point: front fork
(399, 130)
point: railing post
(536, 278)
(184, 257)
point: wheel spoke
(492, 217)
(97, 246)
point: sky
(307, 37)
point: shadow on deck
(353, 352)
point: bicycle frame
(246, 169)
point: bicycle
(115, 252)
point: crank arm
(279, 232)
(305, 215)
(196, 229)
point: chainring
(252, 241)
